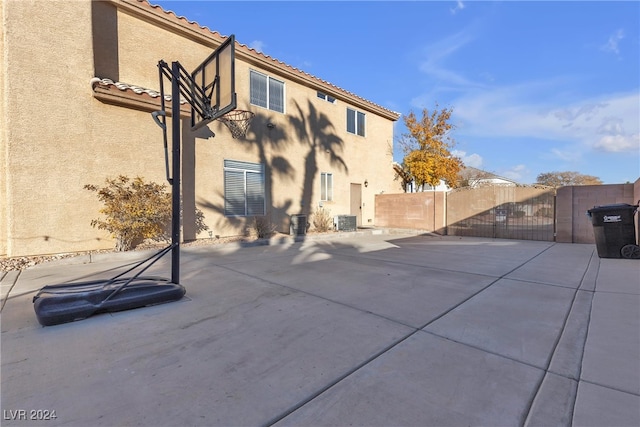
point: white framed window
(266, 92)
(326, 186)
(356, 121)
(326, 97)
(244, 192)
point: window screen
(355, 122)
(266, 92)
(326, 186)
(244, 189)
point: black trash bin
(614, 229)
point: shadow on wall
(315, 133)
(493, 212)
(502, 213)
(190, 220)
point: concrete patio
(367, 329)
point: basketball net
(238, 122)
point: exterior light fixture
(366, 183)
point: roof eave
(203, 35)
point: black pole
(175, 183)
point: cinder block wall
(572, 203)
(420, 211)
(427, 211)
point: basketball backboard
(214, 81)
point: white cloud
(608, 122)
(530, 109)
(258, 45)
(586, 111)
(474, 160)
(612, 44)
(438, 52)
(610, 126)
(560, 132)
(516, 173)
(570, 155)
(459, 6)
(618, 143)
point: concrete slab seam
(478, 292)
(421, 266)
(421, 329)
(630, 393)
(588, 282)
(262, 279)
(337, 380)
(536, 392)
(482, 349)
(586, 276)
(592, 291)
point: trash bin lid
(615, 206)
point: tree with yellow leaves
(427, 146)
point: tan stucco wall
(419, 211)
(47, 132)
(3, 134)
(59, 136)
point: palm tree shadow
(317, 133)
(272, 142)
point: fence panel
(525, 213)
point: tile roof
(183, 21)
(126, 87)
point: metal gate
(526, 213)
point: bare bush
(322, 220)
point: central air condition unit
(298, 225)
(345, 222)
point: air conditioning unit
(298, 225)
(345, 222)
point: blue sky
(535, 86)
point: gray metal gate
(526, 213)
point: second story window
(326, 97)
(266, 92)
(355, 122)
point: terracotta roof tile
(108, 84)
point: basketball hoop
(237, 121)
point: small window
(326, 97)
(326, 187)
(355, 122)
(266, 91)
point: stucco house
(474, 178)
(79, 80)
(468, 177)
